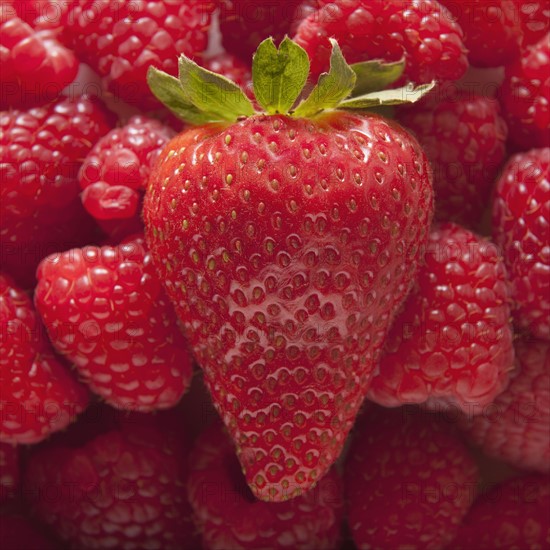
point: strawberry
(534, 18)
(35, 66)
(492, 30)
(40, 153)
(465, 140)
(9, 471)
(120, 40)
(114, 175)
(408, 480)
(516, 427)
(18, 532)
(124, 488)
(286, 244)
(38, 395)
(422, 32)
(521, 217)
(105, 310)
(512, 515)
(229, 516)
(525, 97)
(452, 343)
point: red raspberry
(124, 488)
(245, 23)
(9, 471)
(516, 428)
(452, 343)
(465, 140)
(408, 480)
(534, 18)
(21, 533)
(105, 310)
(512, 515)
(521, 218)
(492, 31)
(114, 174)
(121, 40)
(525, 97)
(229, 516)
(35, 66)
(38, 395)
(40, 153)
(420, 31)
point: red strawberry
(9, 471)
(512, 515)
(120, 40)
(408, 480)
(124, 488)
(492, 30)
(525, 97)
(534, 17)
(420, 31)
(114, 174)
(105, 310)
(40, 153)
(245, 23)
(521, 218)
(286, 244)
(465, 139)
(35, 66)
(38, 395)
(452, 343)
(18, 532)
(516, 427)
(229, 516)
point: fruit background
(259, 315)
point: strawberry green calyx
(279, 75)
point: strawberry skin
(452, 343)
(106, 311)
(286, 245)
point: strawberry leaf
(279, 75)
(332, 87)
(168, 90)
(376, 75)
(398, 96)
(211, 93)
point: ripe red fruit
(465, 139)
(124, 488)
(525, 97)
(9, 471)
(105, 310)
(534, 17)
(40, 153)
(516, 427)
(121, 40)
(38, 395)
(286, 244)
(114, 175)
(408, 480)
(512, 515)
(492, 30)
(229, 516)
(452, 343)
(421, 31)
(35, 66)
(521, 217)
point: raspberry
(229, 516)
(407, 480)
(105, 310)
(521, 218)
(452, 343)
(38, 395)
(465, 140)
(516, 427)
(534, 18)
(422, 32)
